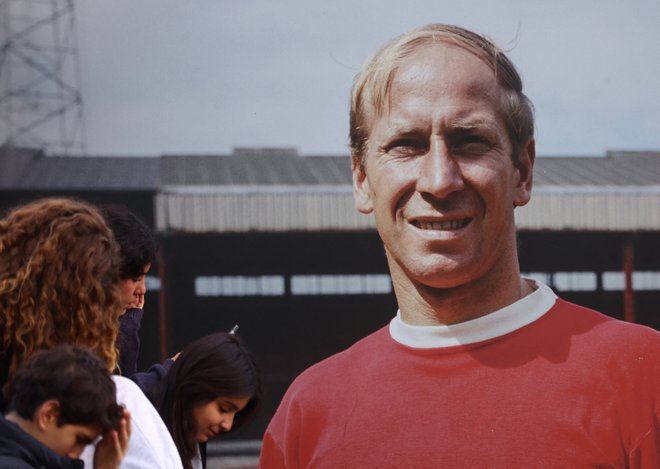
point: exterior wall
(288, 331)
(319, 208)
(266, 209)
(139, 202)
(591, 208)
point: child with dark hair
(213, 387)
(61, 400)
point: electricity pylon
(40, 101)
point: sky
(205, 76)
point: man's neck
(423, 305)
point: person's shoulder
(19, 450)
(342, 363)
(14, 453)
(151, 444)
(13, 462)
(610, 331)
(126, 386)
(130, 395)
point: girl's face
(217, 416)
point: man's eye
(472, 139)
(406, 146)
(472, 144)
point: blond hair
(372, 84)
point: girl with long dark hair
(213, 387)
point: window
(152, 282)
(645, 280)
(539, 277)
(236, 285)
(352, 284)
(575, 281)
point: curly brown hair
(59, 267)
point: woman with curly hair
(58, 275)
(59, 270)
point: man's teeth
(440, 225)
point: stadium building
(269, 239)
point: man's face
(438, 173)
(132, 290)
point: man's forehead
(442, 60)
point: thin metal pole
(162, 306)
(628, 269)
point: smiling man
(480, 367)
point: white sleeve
(150, 445)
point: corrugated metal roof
(618, 192)
(85, 173)
(616, 169)
(286, 167)
(277, 189)
(14, 162)
(591, 211)
(280, 209)
(280, 167)
(256, 167)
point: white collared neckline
(498, 323)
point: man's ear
(47, 414)
(361, 189)
(525, 172)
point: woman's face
(217, 416)
(132, 290)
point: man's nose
(439, 173)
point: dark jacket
(129, 349)
(19, 450)
(128, 341)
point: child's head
(64, 397)
(138, 250)
(213, 387)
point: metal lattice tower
(40, 101)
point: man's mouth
(448, 225)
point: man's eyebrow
(402, 129)
(471, 124)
